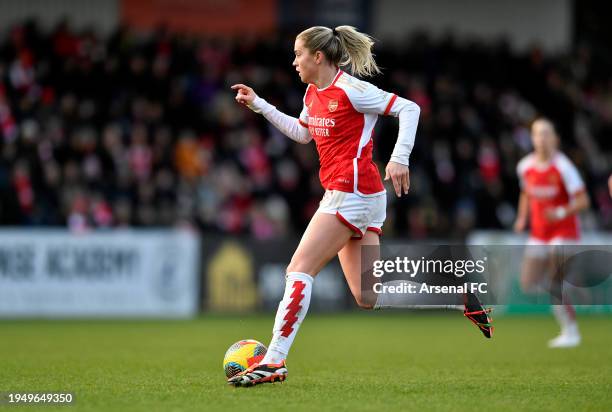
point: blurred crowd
(142, 130)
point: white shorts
(539, 248)
(359, 213)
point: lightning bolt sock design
(293, 308)
(291, 312)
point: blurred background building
(118, 113)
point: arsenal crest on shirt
(332, 105)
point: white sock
(566, 318)
(291, 312)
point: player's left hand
(400, 176)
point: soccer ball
(241, 355)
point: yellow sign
(231, 279)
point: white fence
(53, 273)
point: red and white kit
(549, 186)
(341, 119)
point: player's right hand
(245, 94)
(399, 175)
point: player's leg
(355, 264)
(562, 308)
(539, 274)
(366, 215)
(323, 238)
(533, 271)
(357, 259)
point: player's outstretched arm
(288, 125)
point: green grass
(352, 362)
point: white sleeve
(570, 175)
(367, 98)
(303, 119)
(289, 126)
(521, 167)
(408, 113)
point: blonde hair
(343, 46)
(544, 119)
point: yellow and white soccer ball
(241, 355)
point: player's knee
(363, 303)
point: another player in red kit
(552, 193)
(339, 113)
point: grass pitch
(348, 362)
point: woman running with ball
(339, 113)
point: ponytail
(343, 46)
(357, 51)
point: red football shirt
(548, 186)
(341, 119)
